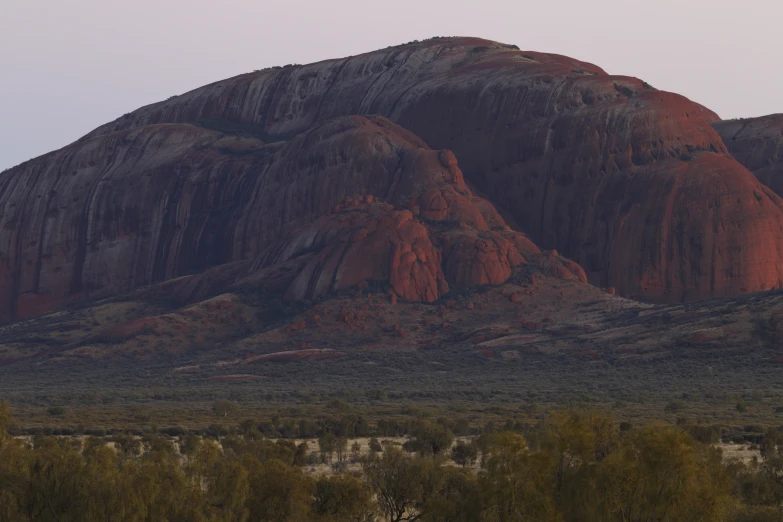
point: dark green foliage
(429, 439)
(375, 446)
(55, 411)
(464, 453)
(572, 467)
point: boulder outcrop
(631, 182)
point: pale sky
(67, 66)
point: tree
(189, 444)
(456, 497)
(249, 430)
(402, 485)
(464, 453)
(343, 498)
(341, 447)
(356, 450)
(278, 492)
(429, 439)
(107, 487)
(771, 469)
(517, 484)
(224, 480)
(128, 445)
(326, 446)
(224, 407)
(158, 447)
(375, 446)
(14, 471)
(53, 489)
(483, 443)
(167, 490)
(300, 456)
(576, 442)
(56, 411)
(660, 473)
(6, 421)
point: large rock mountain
(273, 178)
(629, 181)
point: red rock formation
(483, 259)
(139, 206)
(373, 242)
(631, 182)
(757, 143)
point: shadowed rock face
(757, 143)
(631, 182)
(147, 204)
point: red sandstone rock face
(324, 211)
(483, 259)
(757, 143)
(631, 182)
(370, 242)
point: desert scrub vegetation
(577, 466)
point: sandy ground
(741, 452)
